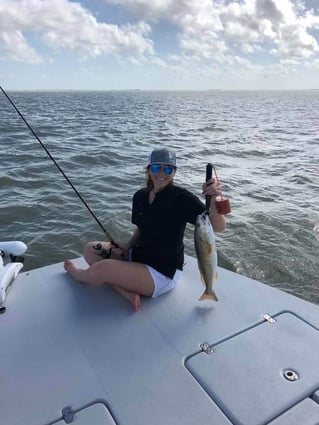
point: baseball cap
(163, 156)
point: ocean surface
(265, 146)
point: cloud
(208, 27)
(212, 31)
(63, 25)
(315, 64)
(198, 22)
(250, 48)
(16, 45)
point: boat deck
(73, 353)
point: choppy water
(265, 146)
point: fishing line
(222, 204)
(108, 235)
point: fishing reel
(222, 203)
(103, 252)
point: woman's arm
(217, 220)
(133, 239)
(123, 247)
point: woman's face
(161, 175)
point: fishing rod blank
(59, 168)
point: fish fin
(206, 296)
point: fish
(205, 247)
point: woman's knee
(87, 251)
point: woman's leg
(128, 278)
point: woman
(150, 263)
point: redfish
(206, 253)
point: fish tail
(208, 296)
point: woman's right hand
(119, 248)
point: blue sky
(159, 44)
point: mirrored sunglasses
(156, 168)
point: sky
(159, 44)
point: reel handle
(209, 173)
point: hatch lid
(261, 372)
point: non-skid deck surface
(65, 344)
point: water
(265, 146)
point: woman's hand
(119, 248)
(211, 188)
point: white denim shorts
(162, 283)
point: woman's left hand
(211, 188)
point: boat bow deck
(70, 346)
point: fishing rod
(108, 235)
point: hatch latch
(206, 348)
(268, 318)
(68, 415)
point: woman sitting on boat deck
(150, 263)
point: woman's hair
(148, 180)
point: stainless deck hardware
(290, 375)
(68, 415)
(206, 348)
(268, 318)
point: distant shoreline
(158, 90)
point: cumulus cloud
(198, 22)
(209, 27)
(275, 23)
(207, 30)
(60, 25)
(16, 45)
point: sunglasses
(156, 168)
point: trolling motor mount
(10, 270)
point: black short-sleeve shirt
(162, 225)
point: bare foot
(136, 301)
(133, 297)
(72, 269)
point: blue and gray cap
(162, 156)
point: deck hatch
(97, 414)
(245, 374)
